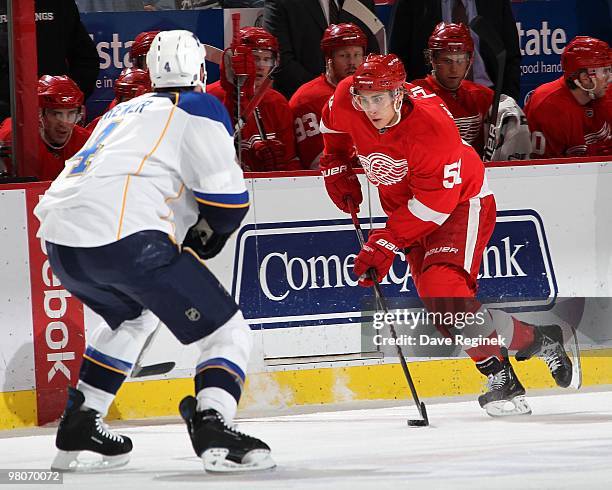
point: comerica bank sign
(300, 273)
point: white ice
(566, 443)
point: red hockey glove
(237, 62)
(267, 155)
(341, 182)
(378, 254)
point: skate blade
(257, 460)
(69, 461)
(574, 348)
(508, 408)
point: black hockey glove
(203, 244)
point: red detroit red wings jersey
(469, 105)
(50, 162)
(421, 167)
(561, 127)
(277, 120)
(307, 104)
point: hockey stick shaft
(238, 83)
(255, 101)
(261, 128)
(383, 305)
(489, 36)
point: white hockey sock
(99, 400)
(220, 400)
(221, 368)
(115, 351)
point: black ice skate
(222, 448)
(548, 346)
(83, 430)
(505, 395)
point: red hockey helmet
(142, 43)
(584, 52)
(379, 72)
(132, 82)
(258, 38)
(59, 92)
(340, 36)
(451, 37)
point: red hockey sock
(483, 352)
(522, 336)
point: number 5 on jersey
(452, 174)
(85, 156)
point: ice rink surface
(565, 443)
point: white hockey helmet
(175, 59)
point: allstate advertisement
(114, 33)
(544, 28)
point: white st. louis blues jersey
(145, 167)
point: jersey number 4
(85, 156)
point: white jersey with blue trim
(145, 167)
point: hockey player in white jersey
(121, 227)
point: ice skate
(548, 346)
(505, 395)
(84, 430)
(222, 448)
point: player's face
(264, 62)
(378, 107)
(58, 124)
(140, 62)
(345, 61)
(450, 68)
(597, 78)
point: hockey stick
(139, 370)
(238, 81)
(213, 54)
(424, 421)
(487, 34)
(369, 19)
(260, 125)
(255, 101)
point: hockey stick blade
(487, 34)
(152, 369)
(424, 422)
(367, 17)
(213, 54)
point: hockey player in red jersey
(131, 83)
(344, 47)
(267, 139)
(571, 116)
(450, 53)
(60, 103)
(433, 188)
(140, 48)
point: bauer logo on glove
(377, 255)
